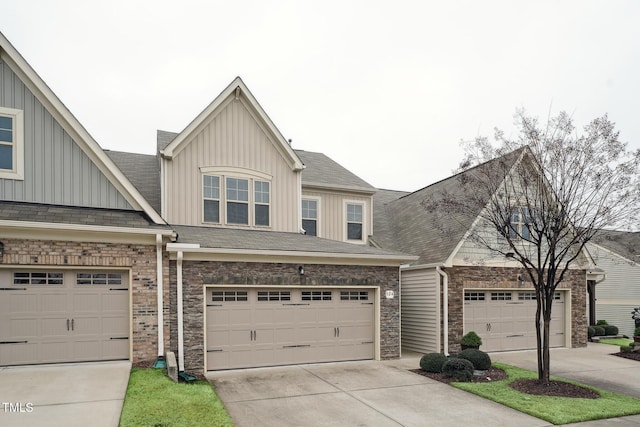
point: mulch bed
(528, 386)
(635, 355)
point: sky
(388, 89)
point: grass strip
(556, 410)
(616, 341)
(153, 399)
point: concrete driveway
(387, 394)
(75, 394)
(367, 393)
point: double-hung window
(237, 201)
(310, 216)
(11, 144)
(354, 221)
(519, 223)
(211, 193)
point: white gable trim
(73, 127)
(237, 88)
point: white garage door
(269, 327)
(63, 316)
(505, 320)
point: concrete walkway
(74, 394)
(386, 394)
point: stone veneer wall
(196, 274)
(141, 259)
(461, 278)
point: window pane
(354, 213)
(238, 189)
(6, 157)
(309, 225)
(354, 231)
(6, 135)
(211, 187)
(211, 211)
(237, 213)
(262, 192)
(262, 214)
(6, 122)
(310, 209)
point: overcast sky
(386, 88)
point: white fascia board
(82, 227)
(75, 129)
(222, 254)
(168, 151)
(337, 188)
(422, 266)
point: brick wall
(461, 278)
(196, 274)
(141, 259)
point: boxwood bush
(478, 358)
(610, 330)
(599, 331)
(601, 323)
(432, 362)
(460, 369)
(591, 331)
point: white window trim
(18, 144)
(236, 173)
(318, 212)
(346, 223)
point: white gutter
(445, 309)
(83, 227)
(180, 314)
(159, 278)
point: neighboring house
(456, 287)
(618, 292)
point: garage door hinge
(119, 338)
(14, 342)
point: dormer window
(11, 144)
(354, 221)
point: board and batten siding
(420, 310)
(619, 293)
(233, 137)
(56, 170)
(332, 216)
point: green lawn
(154, 400)
(556, 410)
(616, 341)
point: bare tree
(541, 197)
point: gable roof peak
(237, 89)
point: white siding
(332, 216)
(56, 170)
(619, 293)
(233, 137)
(420, 310)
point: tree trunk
(546, 354)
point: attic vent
(237, 92)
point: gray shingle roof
(143, 172)
(35, 212)
(624, 243)
(228, 238)
(410, 228)
(322, 171)
(164, 138)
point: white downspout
(180, 314)
(159, 277)
(445, 309)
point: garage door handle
(72, 322)
(14, 342)
(118, 289)
(67, 324)
(13, 289)
(513, 336)
(119, 338)
(214, 351)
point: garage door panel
(62, 321)
(294, 326)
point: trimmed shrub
(432, 362)
(610, 330)
(636, 332)
(591, 331)
(460, 369)
(599, 331)
(479, 359)
(471, 340)
(626, 349)
(601, 323)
